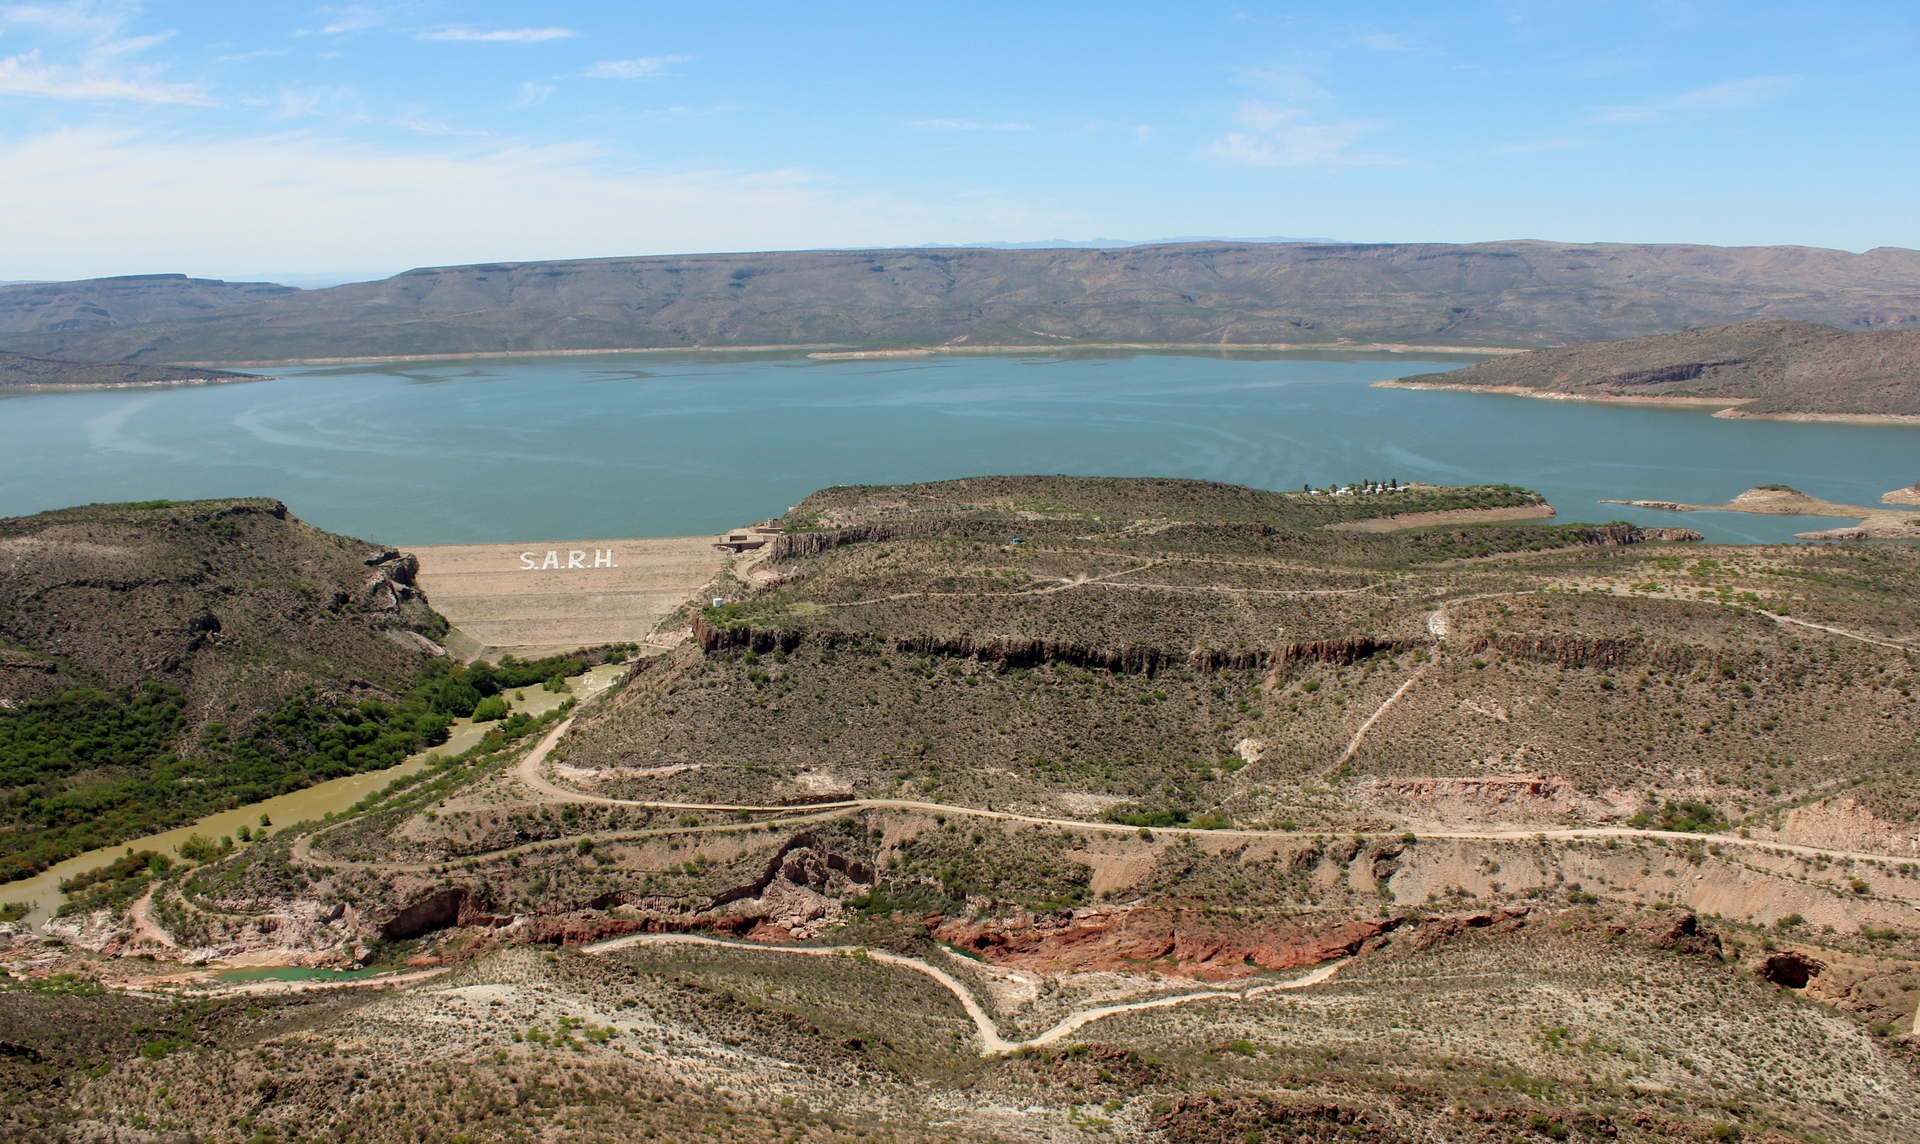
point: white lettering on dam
(575, 558)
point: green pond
(293, 973)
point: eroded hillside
(1053, 808)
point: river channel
(307, 805)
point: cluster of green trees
(114, 884)
(462, 690)
(89, 768)
(1686, 815)
(1135, 816)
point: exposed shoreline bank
(183, 383)
(1726, 408)
(832, 351)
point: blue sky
(240, 139)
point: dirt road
(992, 1044)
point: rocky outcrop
(762, 640)
(797, 545)
(1017, 652)
(1183, 943)
(1341, 652)
(1678, 930)
(804, 861)
(1434, 930)
(392, 582)
(1789, 967)
(1014, 652)
(455, 905)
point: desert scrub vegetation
(1112, 663)
(875, 722)
(1573, 1015)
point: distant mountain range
(1772, 369)
(1105, 243)
(100, 303)
(1217, 293)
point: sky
(279, 140)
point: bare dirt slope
(1492, 294)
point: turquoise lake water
(643, 445)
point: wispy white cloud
(434, 127)
(96, 67)
(26, 75)
(75, 20)
(968, 125)
(341, 19)
(1275, 135)
(1738, 95)
(294, 103)
(1529, 145)
(256, 54)
(1288, 85)
(81, 202)
(640, 68)
(533, 94)
(1388, 42)
(500, 35)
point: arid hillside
(1489, 294)
(159, 658)
(1768, 368)
(1048, 808)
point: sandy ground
(1452, 516)
(501, 605)
(1910, 495)
(1841, 418)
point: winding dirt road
(992, 1044)
(528, 773)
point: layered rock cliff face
(1180, 942)
(1013, 652)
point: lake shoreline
(1726, 408)
(182, 383)
(831, 351)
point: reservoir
(635, 445)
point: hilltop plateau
(99, 303)
(1061, 808)
(1785, 370)
(1211, 293)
